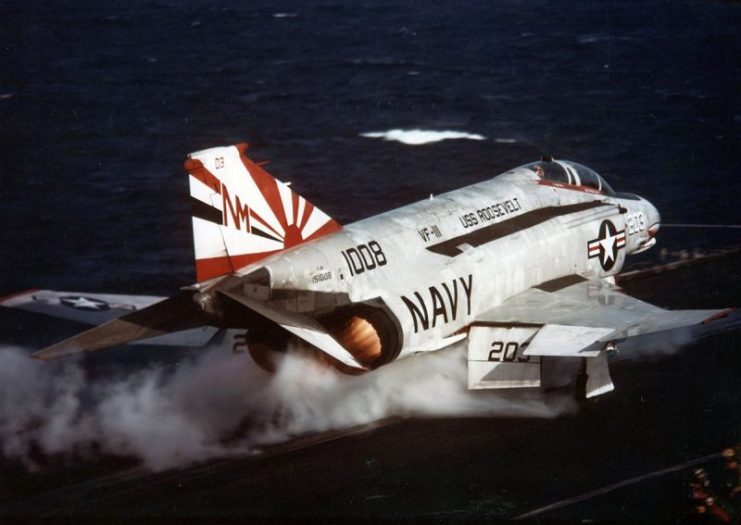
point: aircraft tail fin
(242, 214)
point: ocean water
(100, 104)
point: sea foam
(417, 137)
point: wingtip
(9, 298)
(720, 315)
(63, 348)
(50, 353)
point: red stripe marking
(268, 186)
(330, 227)
(719, 315)
(217, 266)
(583, 189)
(307, 213)
(210, 268)
(196, 168)
(262, 221)
(294, 197)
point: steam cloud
(222, 404)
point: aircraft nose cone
(654, 219)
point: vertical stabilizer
(242, 214)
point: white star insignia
(83, 302)
(608, 244)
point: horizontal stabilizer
(171, 315)
(194, 337)
(301, 326)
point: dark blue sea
(100, 103)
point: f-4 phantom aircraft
(521, 265)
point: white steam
(416, 137)
(222, 404)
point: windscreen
(570, 173)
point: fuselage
(440, 263)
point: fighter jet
(520, 267)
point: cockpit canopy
(570, 173)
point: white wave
(285, 15)
(505, 140)
(416, 137)
(221, 404)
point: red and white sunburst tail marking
(242, 214)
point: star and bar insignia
(606, 245)
(84, 303)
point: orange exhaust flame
(361, 339)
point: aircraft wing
(119, 319)
(588, 304)
(87, 308)
(567, 317)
